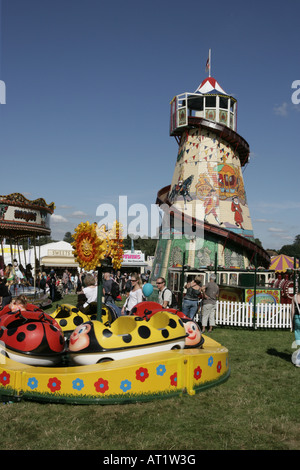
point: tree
(68, 237)
(146, 245)
(291, 250)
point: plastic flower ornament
(92, 244)
(89, 249)
(104, 236)
(116, 245)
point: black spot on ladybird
(172, 323)
(20, 337)
(107, 333)
(127, 338)
(11, 331)
(165, 333)
(77, 321)
(144, 332)
(31, 327)
(63, 323)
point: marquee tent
(283, 262)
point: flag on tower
(208, 64)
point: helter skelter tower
(206, 215)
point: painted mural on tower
(208, 170)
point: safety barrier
(242, 314)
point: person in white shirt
(90, 290)
(135, 295)
(164, 294)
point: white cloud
(264, 221)
(278, 230)
(278, 205)
(78, 214)
(55, 218)
(281, 110)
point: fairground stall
(20, 220)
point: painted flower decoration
(161, 369)
(101, 385)
(4, 378)
(197, 373)
(54, 384)
(32, 383)
(125, 385)
(219, 367)
(89, 249)
(77, 384)
(142, 374)
(173, 379)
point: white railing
(241, 314)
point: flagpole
(209, 58)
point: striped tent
(283, 262)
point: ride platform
(135, 379)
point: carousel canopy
(282, 263)
(20, 217)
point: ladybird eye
(82, 329)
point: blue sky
(88, 87)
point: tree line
(291, 250)
(148, 245)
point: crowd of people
(57, 284)
(114, 286)
(197, 298)
(84, 284)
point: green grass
(256, 409)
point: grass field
(256, 409)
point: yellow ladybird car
(128, 336)
(70, 317)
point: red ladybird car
(31, 337)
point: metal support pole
(182, 281)
(99, 294)
(254, 297)
(216, 264)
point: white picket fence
(241, 314)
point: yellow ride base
(141, 378)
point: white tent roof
(52, 254)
